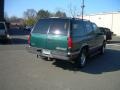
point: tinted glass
(2, 26)
(89, 27)
(95, 28)
(41, 27)
(58, 28)
(78, 28)
(52, 25)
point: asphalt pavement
(20, 70)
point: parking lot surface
(20, 70)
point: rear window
(51, 26)
(58, 28)
(41, 27)
(2, 26)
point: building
(1, 10)
(17, 23)
(109, 20)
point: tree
(29, 22)
(43, 14)
(60, 14)
(30, 13)
(30, 17)
(73, 10)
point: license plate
(46, 51)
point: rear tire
(82, 59)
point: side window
(89, 28)
(95, 28)
(78, 28)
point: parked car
(3, 32)
(107, 32)
(66, 39)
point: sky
(17, 7)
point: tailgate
(38, 40)
(57, 42)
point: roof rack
(67, 18)
(80, 19)
(55, 17)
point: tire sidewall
(102, 50)
(79, 62)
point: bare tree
(60, 14)
(72, 10)
(30, 14)
(43, 14)
(30, 17)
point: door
(98, 35)
(90, 36)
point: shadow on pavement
(99, 64)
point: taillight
(70, 44)
(29, 39)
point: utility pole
(1, 9)
(82, 6)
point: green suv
(66, 39)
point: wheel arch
(86, 47)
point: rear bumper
(53, 54)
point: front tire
(102, 49)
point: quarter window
(95, 28)
(89, 28)
(78, 28)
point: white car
(3, 32)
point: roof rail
(54, 17)
(80, 19)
